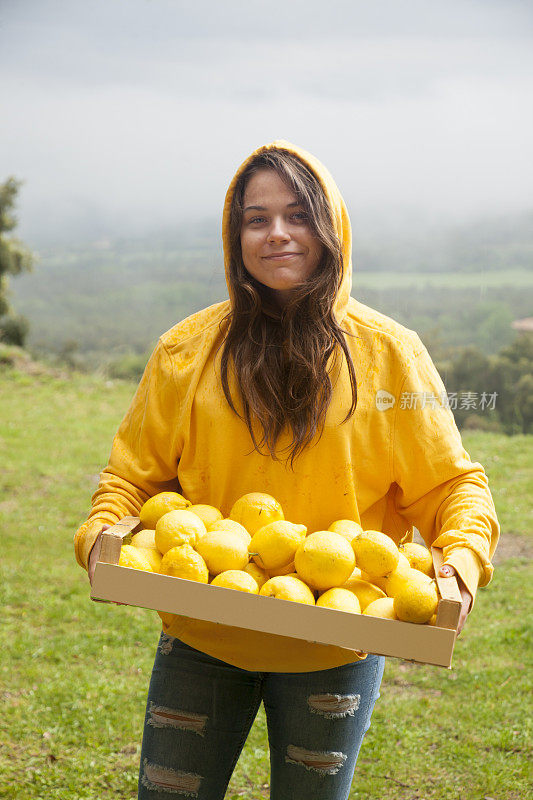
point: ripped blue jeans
(200, 711)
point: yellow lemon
(273, 546)
(341, 599)
(346, 527)
(184, 562)
(160, 504)
(357, 573)
(396, 579)
(416, 601)
(376, 553)
(134, 558)
(236, 579)
(402, 565)
(258, 574)
(365, 592)
(234, 527)
(254, 510)
(286, 570)
(208, 514)
(178, 527)
(226, 524)
(153, 556)
(285, 587)
(143, 539)
(433, 620)
(419, 557)
(383, 607)
(223, 550)
(324, 559)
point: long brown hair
(282, 359)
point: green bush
(127, 367)
(14, 330)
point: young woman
(293, 388)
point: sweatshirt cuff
(468, 567)
(87, 534)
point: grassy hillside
(74, 674)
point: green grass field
(74, 674)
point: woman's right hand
(94, 555)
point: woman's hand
(447, 571)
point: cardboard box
(423, 643)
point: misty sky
(124, 116)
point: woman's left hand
(447, 571)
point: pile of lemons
(256, 550)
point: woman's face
(279, 247)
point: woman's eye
(256, 219)
(300, 216)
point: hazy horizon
(131, 116)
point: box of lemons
(160, 504)
(324, 560)
(274, 546)
(176, 528)
(256, 509)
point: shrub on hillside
(14, 330)
(129, 367)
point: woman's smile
(282, 257)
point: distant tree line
(492, 392)
(14, 259)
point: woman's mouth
(281, 256)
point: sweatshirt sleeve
(144, 456)
(440, 490)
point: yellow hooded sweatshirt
(398, 462)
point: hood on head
(340, 213)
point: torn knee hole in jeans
(334, 706)
(328, 763)
(173, 781)
(162, 717)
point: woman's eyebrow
(263, 208)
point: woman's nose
(278, 231)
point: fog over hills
(131, 116)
